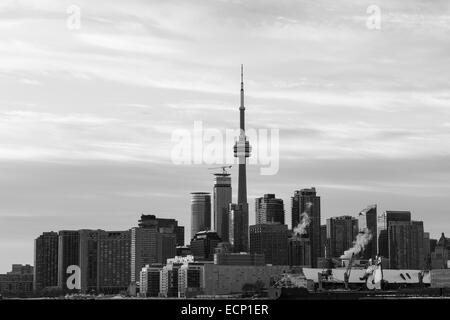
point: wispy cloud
(351, 104)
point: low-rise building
(150, 281)
(239, 259)
(18, 282)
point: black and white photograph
(224, 158)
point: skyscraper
(68, 254)
(46, 261)
(242, 150)
(269, 209)
(406, 245)
(341, 232)
(222, 200)
(307, 202)
(383, 224)
(427, 249)
(270, 240)
(324, 246)
(114, 261)
(367, 222)
(163, 225)
(200, 212)
(154, 241)
(88, 260)
(238, 228)
(144, 242)
(299, 251)
(203, 245)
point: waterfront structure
(269, 209)
(306, 202)
(231, 279)
(222, 200)
(270, 240)
(45, 261)
(367, 222)
(341, 232)
(200, 212)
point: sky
(88, 107)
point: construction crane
(348, 271)
(224, 169)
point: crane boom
(348, 271)
(224, 171)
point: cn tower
(242, 149)
(238, 235)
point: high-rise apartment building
(68, 254)
(46, 261)
(114, 261)
(89, 260)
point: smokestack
(362, 239)
(301, 228)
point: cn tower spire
(241, 107)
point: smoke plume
(362, 239)
(305, 220)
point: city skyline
(88, 145)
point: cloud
(362, 114)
